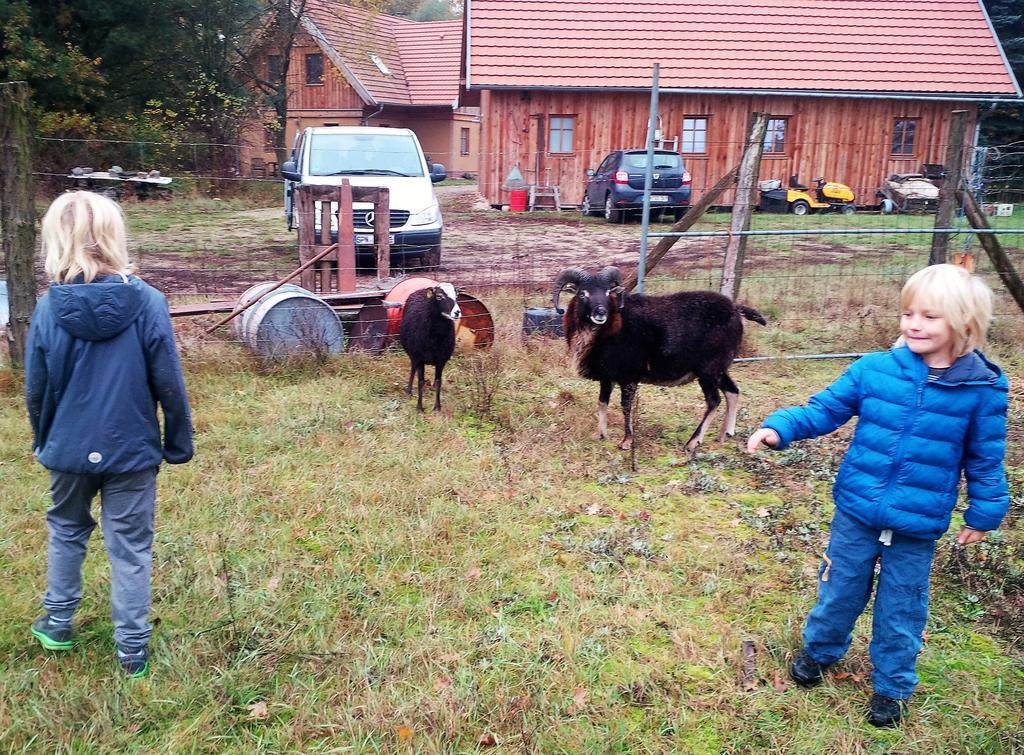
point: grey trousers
(127, 507)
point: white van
(369, 156)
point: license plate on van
(659, 197)
(366, 239)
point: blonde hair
(83, 234)
(961, 298)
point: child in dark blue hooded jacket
(100, 357)
(930, 411)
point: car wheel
(585, 207)
(678, 213)
(848, 209)
(611, 214)
(800, 207)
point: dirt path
(218, 253)
(487, 246)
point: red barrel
(517, 200)
(398, 295)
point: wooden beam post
(346, 256)
(322, 272)
(743, 206)
(950, 186)
(990, 242)
(304, 209)
(684, 223)
(17, 213)
(382, 231)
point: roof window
(381, 66)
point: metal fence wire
(828, 283)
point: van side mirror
(437, 173)
(590, 172)
(289, 171)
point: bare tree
(277, 28)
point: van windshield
(364, 155)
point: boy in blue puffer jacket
(931, 409)
(100, 357)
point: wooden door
(535, 150)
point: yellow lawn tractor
(828, 196)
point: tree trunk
(743, 205)
(950, 187)
(17, 213)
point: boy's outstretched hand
(765, 436)
(966, 536)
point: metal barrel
(475, 329)
(291, 321)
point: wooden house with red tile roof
(350, 67)
(856, 89)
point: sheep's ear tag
(430, 293)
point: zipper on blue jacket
(899, 448)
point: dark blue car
(617, 186)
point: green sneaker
(52, 635)
(134, 663)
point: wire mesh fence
(826, 282)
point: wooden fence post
(742, 206)
(17, 213)
(1001, 262)
(950, 187)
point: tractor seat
(794, 183)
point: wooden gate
(336, 272)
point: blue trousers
(127, 503)
(901, 602)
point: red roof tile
(422, 58)
(922, 47)
(431, 52)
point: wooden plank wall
(334, 94)
(846, 140)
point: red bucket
(517, 200)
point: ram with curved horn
(628, 339)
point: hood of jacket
(97, 311)
(972, 368)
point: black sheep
(663, 340)
(427, 333)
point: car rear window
(662, 161)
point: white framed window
(903, 132)
(775, 136)
(695, 135)
(560, 133)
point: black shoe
(134, 663)
(52, 635)
(885, 711)
(806, 671)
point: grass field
(335, 573)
